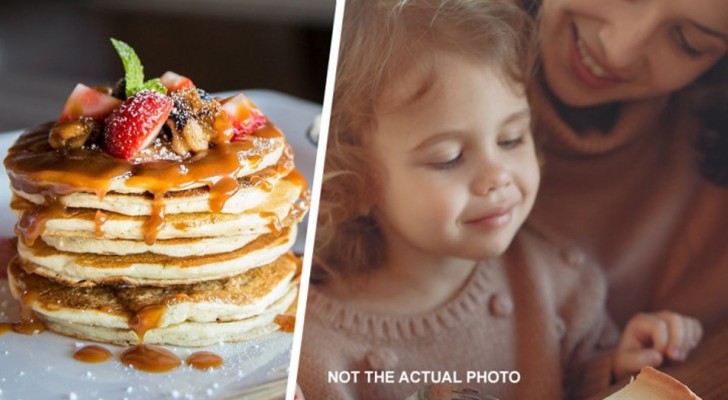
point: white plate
(42, 367)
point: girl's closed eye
(447, 163)
(678, 35)
(512, 141)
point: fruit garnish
(135, 124)
(134, 72)
(174, 81)
(87, 102)
(244, 116)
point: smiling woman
(616, 110)
(597, 52)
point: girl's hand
(650, 337)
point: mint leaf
(132, 66)
(154, 84)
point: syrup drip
(92, 354)
(144, 357)
(274, 223)
(150, 358)
(31, 223)
(29, 322)
(99, 221)
(5, 327)
(204, 360)
(145, 319)
(297, 178)
(155, 221)
(254, 161)
(221, 191)
(287, 323)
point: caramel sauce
(145, 319)
(221, 191)
(274, 223)
(31, 223)
(254, 161)
(287, 323)
(99, 221)
(262, 183)
(204, 360)
(5, 327)
(92, 354)
(182, 226)
(34, 167)
(297, 178)
(150, 358)
(144, 357)
(155, 221)
(268, 131)
(29, 321)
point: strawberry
(244, 115)
(135, 124)
(87, 102)
(173, 81)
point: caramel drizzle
(287, 323)
(145, 319)
(204, 360)
(35, 168)
(32, 222)
(29, 321)
(145, 357)
(150, 358)
(92, 354)
(274, 223)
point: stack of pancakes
(197, 249)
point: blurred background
(46, 47)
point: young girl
(430, 172)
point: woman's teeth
(589, 62)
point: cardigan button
(501, 305)
(573, 257)
(560, 328)
(382, 360)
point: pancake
(283, 206)
(230, 309)
(187, 247)
(148, 268)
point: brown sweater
(634, 200)
(538, 310)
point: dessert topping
(134, 77)
(73, 134)
(87, 102)
(135, 124)
(244, 115)
(173, 81)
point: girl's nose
(490, 179)
(626, 35)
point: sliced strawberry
(135, 124)
(87, 102)
(173, 81)
(244, 115)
